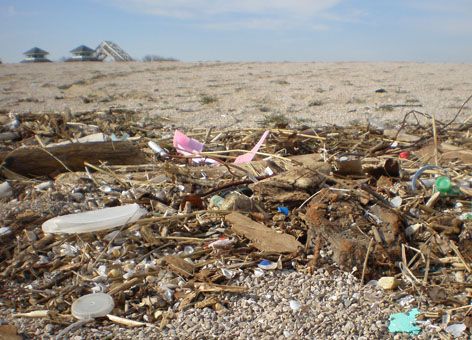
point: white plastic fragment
(456, 329)
(5, 190)
(96, 220)
(92, 306)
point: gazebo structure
(83, 53)
(35, 55)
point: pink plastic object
(247, 157)
(186, 145)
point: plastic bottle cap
(443, 184)
(92, 306)
(404, 155)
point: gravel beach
(281, 304)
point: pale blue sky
(244, 30)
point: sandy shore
(240, 94)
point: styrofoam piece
(96, 220)
(92, 306)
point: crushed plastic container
(96, 220)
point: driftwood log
(39, 162)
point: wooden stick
(366, 259)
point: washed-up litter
(391, 207)
(404, 322)
(92, 306)
(5, 190)
(456, 330)
(96, 220)
(266, 265)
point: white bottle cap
(92, 306)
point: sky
(244, 30)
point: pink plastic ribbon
(247, 157)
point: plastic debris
(94, 220)
(92, 306)
(5, 190)
(283, 210)
(267, 265)
(418, 174)
(157, 149)
(404, 155)
(404, 322)
(247, 157)
(186, 145)
(445, 186)
(456, 330)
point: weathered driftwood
(292, 186)
(262, 237)
(37, 162)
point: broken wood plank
(262, 237)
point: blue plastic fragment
(267, 265)
(418, 174)
(404, 322)
(283, 210)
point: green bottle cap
(443, 184)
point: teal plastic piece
(404, 322)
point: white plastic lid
(92, 306)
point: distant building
(35, 55)
(83, 53)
